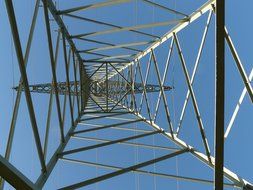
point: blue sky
(237, 145)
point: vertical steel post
(220, 94)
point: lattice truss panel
(120, 94)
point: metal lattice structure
(121, 87)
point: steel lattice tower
(121, 88)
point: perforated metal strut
(97, 89)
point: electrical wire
(137, 176)
(173, 102)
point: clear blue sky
(238, 154)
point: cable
(153, 102)
(13, 75)
(137, 177)
(136, 149)
(96, 162)
(173, 102)
(154, 165)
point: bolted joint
(248, 187)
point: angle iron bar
(64, 110)
(191, 18)
(75, 78)
(164, 78)
(92, 6)
(90, 96)
(126, 143)
(166, 107)
(105, 127)
(237, 107)
(74, 99)
(193, 98)
(72, 151)
(145, 81)
(114, 57)
(120, 74)
(18, 96)
(133, 72)
(124, 170)
(18, 48)
(50, 104)
(14, 177)
(115, 46)
(237, 180)
(120, 100)
(67, 63)
(144, 90)
(120, 128)
(163, 175)
(110, 25)
(49, 38)
(195, 69)
(142, 26)
(58, 19)
(239, 64)
(52, 162)
(104, 43)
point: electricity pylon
(111, 86)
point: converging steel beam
(126, 143)
(105, 127)
(166, 107)
(18, 48)
(50, 104)
(156, 24)
(93, 6)
(110, 25)
(237, 180)
(193, 98)
(114, 47)
(19, 92)
(144, 172)
(239, 65)
(124, 170)
(14, 177)
(54, 159)
(243, 94)
(113, 57)
(67, 62)
(108, 143)
(180, 26)
(164, 78)
(220, 94)
(195, 70)
(53, 68)
(117, 128)
(106, 43)
(59, 21)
